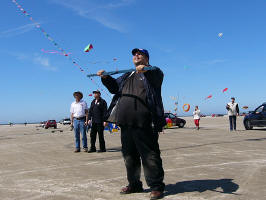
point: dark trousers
(141, 144)
(97, 128)
(232, 120)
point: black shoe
(77, 150)
(129, 190)
(101, 151)
(156, 195)
(92, 151)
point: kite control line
(61, 50)
(121, 71)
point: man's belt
(80, 118)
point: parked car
(217, 115)
(50, 123)
(256, 118)
(66, 121)
(176, 121)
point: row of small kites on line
(186, 106)
(60, 51)
(87, 49)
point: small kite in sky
(225, 89)
(173, 98)
(220, 35)
(90, 95)
(88, 48)
(245, 107)
(208, 97)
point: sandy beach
(211, 163)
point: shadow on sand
(227, 186)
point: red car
(50, 123)
(176, 121)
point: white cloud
(98, 11)
(215, 61)
(35, 59)
(44, 62)
(17, 31)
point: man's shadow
(227, 186)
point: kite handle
(120, 71)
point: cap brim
(135, 51)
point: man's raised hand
(100, 73)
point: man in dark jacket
(97, 112)
(136, 106)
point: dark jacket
(152, 82)
(97, 112)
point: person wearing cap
(233, 111)
(79, 120)
(138, 109)
(97, 112)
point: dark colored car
(256, 118)
(176, 121)
(50, 123)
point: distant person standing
(233, 111)
(97, 113)
(196, 116)
(79, 120)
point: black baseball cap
(96, 91)
(144, 51)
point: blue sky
(181, 36)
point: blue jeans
(232, 120)
(79, 127)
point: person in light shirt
(233, 111)
(79, 120)
(196, 116)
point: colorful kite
(208, 97)
(225, 89)
(245, 107)
(90, 95)
(185, 67)
(173, 98)
(220, 35)
(88, 48)
(186, 107)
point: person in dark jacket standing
(136, 105)
(97, 112)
